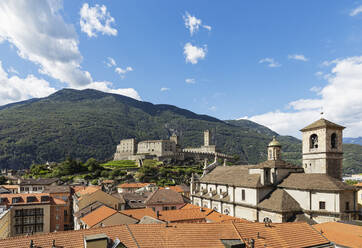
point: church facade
(281, 191)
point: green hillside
(89, 123)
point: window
(334, 140)
(347, 206)
(220, 191)
(226, 211)
(313, 141)
(173, 207)
(164, 208)
(56, 227)
(35, 188)
(322, 205)
(243, 194)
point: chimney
(252, 243)
(158, 214)
(53, 246)
(31, 244)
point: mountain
(357, 141)
(90, 123)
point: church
(282, 192)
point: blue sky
(279, 63)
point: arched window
(334, 140)
(313, 141)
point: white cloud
(190, 80)
(315, 89)
(340, 100)
(319, 73)
(111, 62)
(207, 27)
(96, 19)
(14, 88)
(299, 57)
(270, 61)
(193, 53)
(356, 11)
(122, 72)
(12, 70)
(213, 108)
(165, 89)
(193, 24)
(105, 87)
(38, 31)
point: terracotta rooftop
(315, 182)
(217, 217)
(182, 235)
(86, 210)
(98, 215)
(345, 235)
(26, 199)
(133, 185)
(322, 123)
(165, 196)
(184, 214)
(280, 201)
(179, 188)
(213, 215)
(81, 190)
(10, 186)
(139, 213)
(281, 235)
(237, 175)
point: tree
(92, 165)
(2, 180)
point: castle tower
(208, 138)
(322, 148)
(274, 150)
(175, 138)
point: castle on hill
(130, 149)
(282, 192)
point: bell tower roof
(274, 142)
(321, 123)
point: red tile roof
(184, 214)
(341, 234)
(84, 190)
(24, 200)
(139, 213)
(133, 185)
(98, 215)
(281, 235)
(182, 235)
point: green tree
(92, 165)
(2, 180)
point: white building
(281, 191)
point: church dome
(274, 142)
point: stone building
(280, 191)
(126, 148)
(129, 149)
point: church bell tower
(322, 148)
